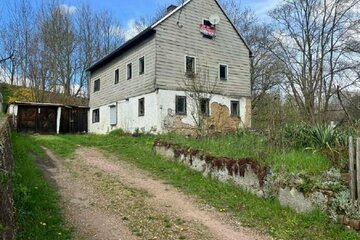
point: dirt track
(106, 198)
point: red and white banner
(208, 30)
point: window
(204, 106)
(223, 72)
(141, 66)
(113, 115)
(96, 116)
(141, 107)
(116, 76)
(180, 105)
(190, 65)
(235, 108)
(97, 85)
(206, 22)
(129, 71)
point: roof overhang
(148, 32)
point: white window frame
(227, 72)
(195, 59)
(93, 118)
(127, 71)
(143, 57)
(113, 123)
(238, 108)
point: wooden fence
(354, 169)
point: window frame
(226, 72)
(96, 115)
(237, 114)
(143, 65)
(97, 85)
(207, 108)
(113, 106)
(117, 76)
(195, 60)
(177, 112)
(129, 76)
(141, 112)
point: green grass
(266, 215)
(38, 213)
(246, 145)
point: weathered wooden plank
(358, 168)
(351, 169)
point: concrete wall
(160, 113)
(7, 211)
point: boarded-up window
(180, 105)
(129, 71)
(204, 106)
(113, 115)
(141, 107)
(116, 76)
(235, 108)
(223, 72)
(96, 116)
(141, 65)
(97, 85)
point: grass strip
(38, 213)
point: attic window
(207, 23)
(207, 29)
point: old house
(143, 84)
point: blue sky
(125, 10)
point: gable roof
(149, 32)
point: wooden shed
(49, 118)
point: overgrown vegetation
(37, 209)
(263, 214)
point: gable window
(141, 107)
(235, 109)
(97, 85)
(180, 105)
(204, 106)
(141, 66)
(223, 72)
(206, 22)
(96, 116)
(116, 76)
(113, 115)
(129, 71)
(190, 65)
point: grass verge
(247, 145)
(38, 213)
(265, 215)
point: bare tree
(310, 42)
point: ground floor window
(113, 115)
(96, 115)
(235, 108)
(204, 106)
(141, 107)
(180, 105)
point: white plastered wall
(158, 105)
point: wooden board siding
(137, 85)
(174, 43)
(37, 119)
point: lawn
(265, 215)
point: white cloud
(68, 9)
(132, 29)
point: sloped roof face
(152, 30)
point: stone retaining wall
(7, 212)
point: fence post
(351, 168)
(358, 168)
